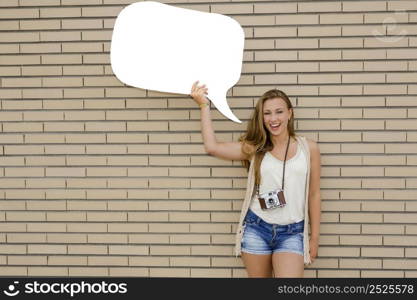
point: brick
(402, 5)
(390, 17)
(46, 249)
(382, 274)
(382, 229)
(169, 250)
(384, 137)
(270, 79)
(386, 41)
(341, 137)
(61, 82)
(399, 195)
(319, 124)
(211, 273)
(385, 65)
(360, 240)
(211, 205)
(341, 90)
(27, 260)
(10, 71)
(190, 261)
(46, 227)
(10, 25)
(129, 250)
(149, 261)
(382, 252)
(19, 59)
(341, 66)
(402, 264)
(107, 238)
(340, 229)
(341, 42)
(82, 47)
(400, 218)
(105, 11)
(339, 251)
(81, 23)
(189, 239)
(26, 238)
(211, 250)
(378, 160)
(400, 240)
(255, 20)
(82, 2)
(107, 260)
(341, 18)
(169, 272)
(275, 32)
(82, 70)
(362, 171)
(364, 6)
(19, 13)
(320, 31)
(319, 78)
(275, 55)
(297, 67)
(258, 68)
(231, 9)
(390, 206)
(292, 19)
(296, 43)
(362, 263)
(61, 12)
(327, 6)
(276, 8)
(401, 54)
(89, 271)
(60, 36)
(128, 272)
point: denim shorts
(260, 237)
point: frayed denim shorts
(260, 237)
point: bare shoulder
(313, 146)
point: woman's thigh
(257, 265)
(288, 264)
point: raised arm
(224, 150)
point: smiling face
(276, 115)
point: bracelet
(203, 104)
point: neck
(281, 139)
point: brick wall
(101, 179)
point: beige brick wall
(101, 179)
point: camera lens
(270, 200)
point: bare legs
(282, 264)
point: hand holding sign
(165, 48)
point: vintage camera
(272, 199)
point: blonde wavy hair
(258, 135)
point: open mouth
(275, 127)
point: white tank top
(294, 188)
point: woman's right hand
(198, 93)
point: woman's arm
(224, 150)
(314, 200)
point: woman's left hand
(314, 248)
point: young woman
(272, 236)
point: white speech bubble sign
(164, 48)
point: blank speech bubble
(165, 48)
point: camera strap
(283, 171)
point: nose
(274, 118)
